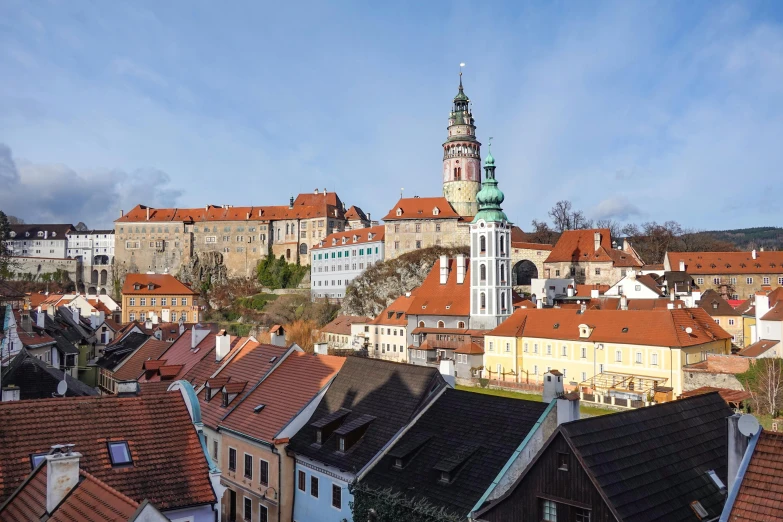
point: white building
(42, 241)
(636, 286)
(340, 257)
(94, 250)
(547, 289)
(490, 256)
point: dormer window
(334, 241)
(352, 431)
(327, 424)
(355, 238)
(40, 233)
(585, 331)
(435, 211)
(397, 463)
(12, 234)
(150, 286)
(445, 477)
(399, 211)
(344, 240)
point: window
(162, 301)
(548, 511)
(132, 301)
(584, 352)
(302, 481)
(584, 376)
(780, 281)
(132, 317)
(565, 351)
(263, 513)
(232, 459)
(215, 449)
(654, 359)
(549, 349)
(699, 280)
(749, 280)
(119, 453)
(508, 347)
(153, 301)
(535, 347)
(638, 357)
(731, 322)
(143, 301)
(491, 347)
(483, 244)
(173, 301)
(524, 348)
(248, 466)
(461, 324)
(314, 486)
(535, 369)
(618, 356)
(581, 515)
(184, 301)
(337, 496)
(562, 461)
(716, 280)
(597, 271)
(248, 511)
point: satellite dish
(689, 330)
(748, 425)
(62, 387)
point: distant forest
(770, 238)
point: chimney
(148, 213)
(539, 303)
(597, 240)
(154, 318)
(291, 202)
(567, 408)
(623, 302)
(222, 345)
(148, 323)
(62, 474)
(460, 268)
(11, 393)
(127, 388)
(122, 212)
(570, 291)
(444, 269)
(595, 293)
(316, 190)
(753, 253)
(196, 336)
(448, 372)
(324, 191)
(39, 318)
(277, 338)
(95, 320)
(553, 385)
(738, 444)
(762, 305)
(682, 265)
(583, 308)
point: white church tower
(490, 256)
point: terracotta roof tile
(730, 396)
(394, 314)
(362, 236)
(531, 246)
(342, 324)
(716, 363)
(355, 213)
(727, 262)
(759, 348)
(284, 393)
(181, 354)
(579, 246)
(760, 496)
(198, 374)
(642, 327)
(134, 366)
(433, 298)
(162, 284)
(422, 208)
(158, 430)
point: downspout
(513, 457)
(280, 481)
(729, 505)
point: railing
(611, 400)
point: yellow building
(623, 353)
(160, 297)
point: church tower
(490, 256)
(462, 157)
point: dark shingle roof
(391, 392)
(477, 431)
(37, 380)
(117, 353)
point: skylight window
(258, 408)
(119, 453)
(36, 459)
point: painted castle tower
(462, 158)
(490, 256)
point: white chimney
(95, 320)
(277, 338)
(75, 312)
(316, 190)
(753, 253)
(567, 409)
(597, 240)
(196, 336)
(595, 293)
(623, 302)
(539, 303)
(448, 372)
(39, 318)
(154, 318)
(570, 291)
(222, 345)
(11, 393)
(460, 268)
(62, 474)
(553, 385)
(148, 213)
(670, 306)
(122, 212)
(762, 305)
(444, 269)
(682, 265)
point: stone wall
(693, 379)
(37, 267)
(430, 232)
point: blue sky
(633, 110)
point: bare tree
(561, 215)
(764, 382)
(615, 229)
(542, 233)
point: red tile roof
(163, 284)
(525, 303)
(394, 314)
(91, 500)
(198, 374)
(133, 366)
(579, 246)
(433, 298)
(760, 496)
(470, 349)
(586, 290)
(531, 246)
(776, 306)
(283, 393)
(157, 427)
(727, 262)
(362, 236)
(180, 354)
(342, 324)
(716, 363)
(422, 208)
(759, 348)
(36, 337)
(250, 364)
(355, 213)
(643, 327)
(730, 396)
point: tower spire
(490, 196)
(461, 65)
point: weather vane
(489, 144)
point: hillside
(770, 238)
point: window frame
(301, 480)
(247, 471)
(245, 501)
(124, 443)
(314, 486)
(232, 452)
(261, 473)
(337, 488)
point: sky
(633, 110)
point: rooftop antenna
(489, 144)
(401, 191)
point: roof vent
(273, 359)
(258, 408)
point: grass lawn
(587, 410)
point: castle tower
(462, 157)
(490, 256)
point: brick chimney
(62, 474)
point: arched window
(461, 324)
(441, 324)
(303, 249)
(286, 229)
(483, 301)
(483, 244)
(421, 324)
(502, 273)
(483, 272)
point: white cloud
(52, 193)
(618, 208)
